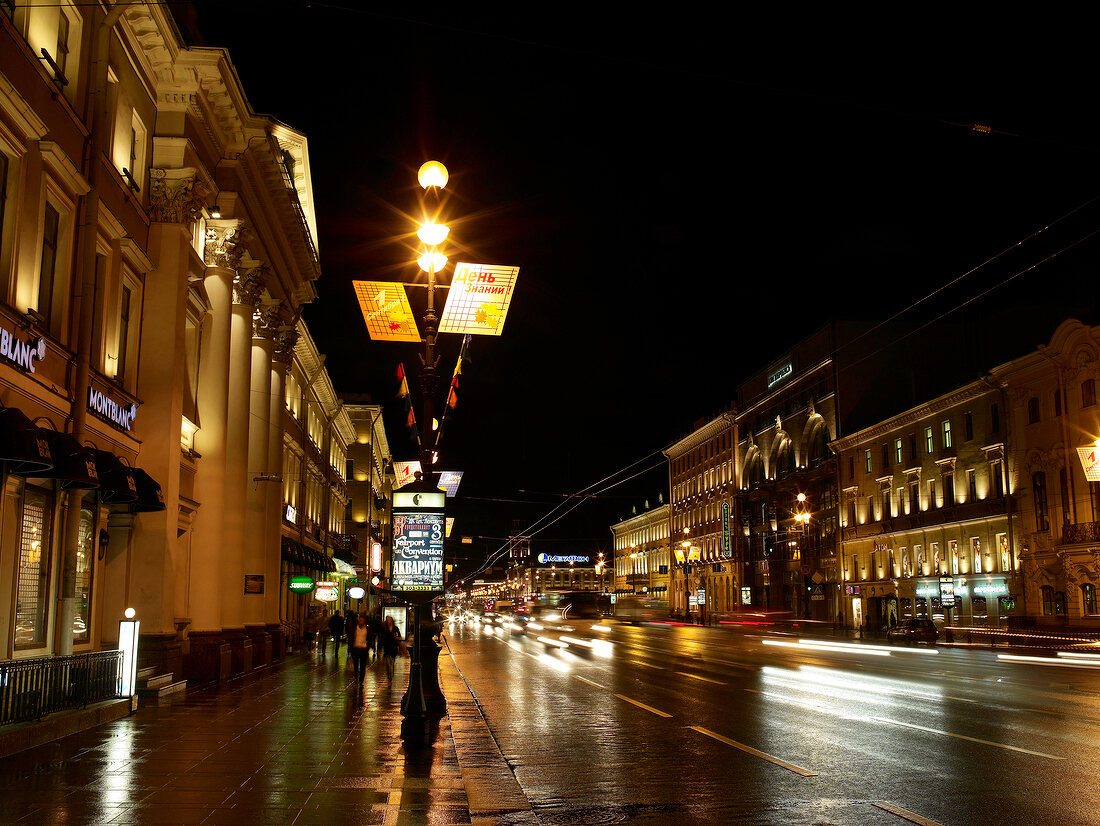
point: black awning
(23, 449)
(74, 466)
(116, 481)
(149, 495)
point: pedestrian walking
(357, 647)
(336, 629)
(391, 641)
(322, 632)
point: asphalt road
(685, 725)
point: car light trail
(603, 628)
(575, 641)
(835, 648)
(1023, 658)
(549, 641)
(871, 647)
(536, 626)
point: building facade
(1053, 422)
(928, 494)
(157, 248)
(642, 554)
(370, 486)
(703, 473)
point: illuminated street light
(433, 234)
(432, 173)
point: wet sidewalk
(296, 743)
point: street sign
(300, 584)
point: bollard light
(128, 645)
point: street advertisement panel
(419, 525)
(386, 311)
(1090, 462)
(449, 480)
(404, 473)
(477, 302)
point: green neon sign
(301, 584)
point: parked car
(914, 630)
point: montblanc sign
(23, 354)
(117, 414)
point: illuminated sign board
(727, 551)
(23, 354)
(300, 584)
(291, 514)
(1090, 462)
(418, 530)
(386, 311)
(356, 592)
(777, 375)
(478, 299)
(405, 472)
(450, 525)
(562, 559)
(119, 415)
(376, 556)
(947, 591)
(449, 480)
(326, 592)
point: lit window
(929, 446)
(897, 451)
(947, 433)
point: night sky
(686, 196)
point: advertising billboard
(419, 525)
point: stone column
(209, 657)
(266, 641)
(247, 287)
(284, 339)
(155, 568)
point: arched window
(756, 471)
(785, 460)
(1059, 603)
(818, 448)
(1048, 600)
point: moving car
(917, 629)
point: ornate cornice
(176, 196)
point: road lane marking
(658, 712)
(583, 680)
(750, 750)
(697, 677)
(912, 817)
(965, 737)
(647, 665)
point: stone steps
(151, 684)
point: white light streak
(838, 649)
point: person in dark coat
(336, 629)
(357, 648)
(391, 642)
(349, 625)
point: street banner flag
(477, 302)
(452, 392)
(406, 400)
(386, 310)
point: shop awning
(116, 481)
(343, 567)
(23, 449)
(150, 498)
(73, 466)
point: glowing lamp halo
(432, 173)
(432, 261)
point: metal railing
(34, 687)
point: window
(1033, 410)
(1002, 546)
(929, 447)
(51, 228)
(932, 503)
(3, 193)
(886, 503)
(968, 426)
(1088, 598)
(914, 497)
(897, 451)
(123, 333)
(976, 554)
(947, 433)
(62, 56)
(971, 486)
(996, 473)
(85, 558)
(1039, 492)
(1057, 403)
(995, 418)
(1088, 393)
(32, 589)
(1048, 600)
(948, 489)
(868, 458)
(953, 553)
(885, 456)
(1059, 603)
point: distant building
(370, 498)
(642, 555)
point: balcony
(1081, 533)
